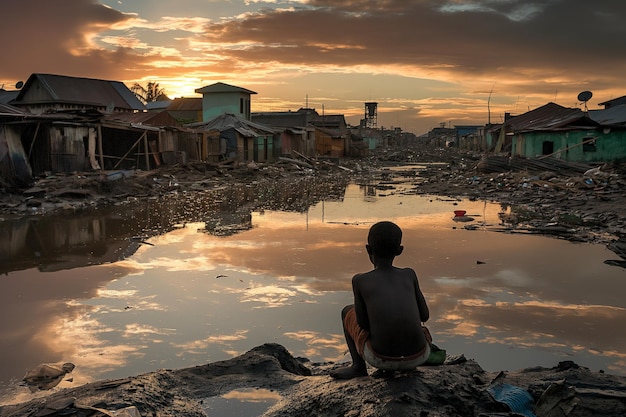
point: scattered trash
(118, 175)
(516, 398)
(46, 376)
(558, 399)
(130, 411)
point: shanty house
(146, 140)
(63, 132)
(296, 134)
(332, 136)
(230, 137)
(222, 98)
(330, 132)
(329, 142)
(58, 142)
(44, 93)
(565, 133)
(14, 167)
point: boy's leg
(358, 367)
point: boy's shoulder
(376, 274)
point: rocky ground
(457, 388)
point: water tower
(371, 115)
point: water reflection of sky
(194, 298)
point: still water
(125, 291)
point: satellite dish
(19, 84)
(585, 96)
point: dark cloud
(41, 35)
(577, 38)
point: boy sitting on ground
(384, 325)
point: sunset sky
(425, 62)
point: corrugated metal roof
(223, 88)
(186, 104)
(140, 117)
(227, 121)
(614, 102)
(335, 133)
(7, 96)
(76, 90)
(158, 105)
(282, 119)
(7, 110)
(612, 116)
(550, 116)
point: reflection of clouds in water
(617, 366)
(131, 301)
(304, 289)
(581, 309)
(89, 348)
(457, 281)
(514, 278)
(122, 268)
(572, 329)
(325, 244)
(252, 395)
(110, 293)
(502, 278)
(474, 303)
(538, 341)
(200, 346)
(210, 244)
(460, 327)
(270, 296)
(198, 263)
(135, 329)
(318, 344)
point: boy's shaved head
(385, 239)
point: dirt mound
(458, 388)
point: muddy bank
(458, 388)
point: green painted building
(220, 98)
(597, 145)
(569, 134)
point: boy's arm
(359, 306)
(421, 302)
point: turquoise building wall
(610, 145)
(215, 104)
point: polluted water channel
(184, 281)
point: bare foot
(348, 372)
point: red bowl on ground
(459, 213)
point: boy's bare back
(390, 305)
(384, 325)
